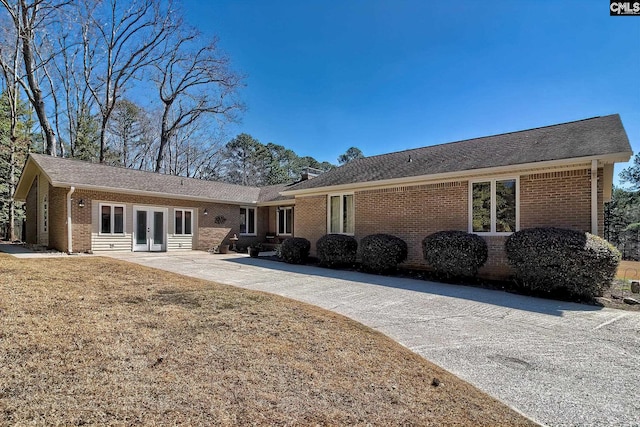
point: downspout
(69, 227)
(594, 197)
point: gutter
(459, 175)
(594, 197)
(58, 184)
(69, 225)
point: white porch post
(69, 228)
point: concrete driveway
(562, 364)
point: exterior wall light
(205, 213)
(81, 203)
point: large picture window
(494, 206)
(285, 221)
(111, 219)
(341, 214)
(248, 221)
(183, 222)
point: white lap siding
(179, 242)
(111, 242)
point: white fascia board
(288, 202)
(461, 175)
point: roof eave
(607, 158)
(80, 187)
(285, 202)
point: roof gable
(584, 138)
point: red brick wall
(412, 213)
(310, 219)
(209, 233)
(558, 199)
(58, 218)
(496, 266)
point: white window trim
(183, 222)
(282, 209)
(112, 225)
(341, 195)
(493, 180)
(255, 220)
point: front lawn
(90, 340)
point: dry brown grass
(629, 270)
(97, 341)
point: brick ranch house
(559, 175)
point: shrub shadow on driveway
(486, 296)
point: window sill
(490, 234)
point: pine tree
(15, 143)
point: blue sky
(384, 76)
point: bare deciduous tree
(193, 81)
(120, 38)
(30, 20)
(9, 62)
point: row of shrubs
(544, 259)
(378, 252)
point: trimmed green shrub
(295, 250)
(382, 252)
(551, 259)
(455, 253)
(336, 250)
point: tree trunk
(103, 137)
(36, 93)
(12, 186)
(164, 136)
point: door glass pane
(348, 214)
(482, 207)
(118, 219)
(187, 222)
(281, 220)
(289, 222)
(506, 206)
(251, 221)
(105, 220)
(243, 221)
(158, 232)
(141, 227)
(335, 215)
(178, 229)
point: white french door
(149, 229)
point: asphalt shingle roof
(78, 173)
(589, 137)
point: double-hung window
(248, 221)
(493, 206)
(183, 222)
(341, 214)
(285, 221)
(111, 219)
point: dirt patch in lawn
(98, 341)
